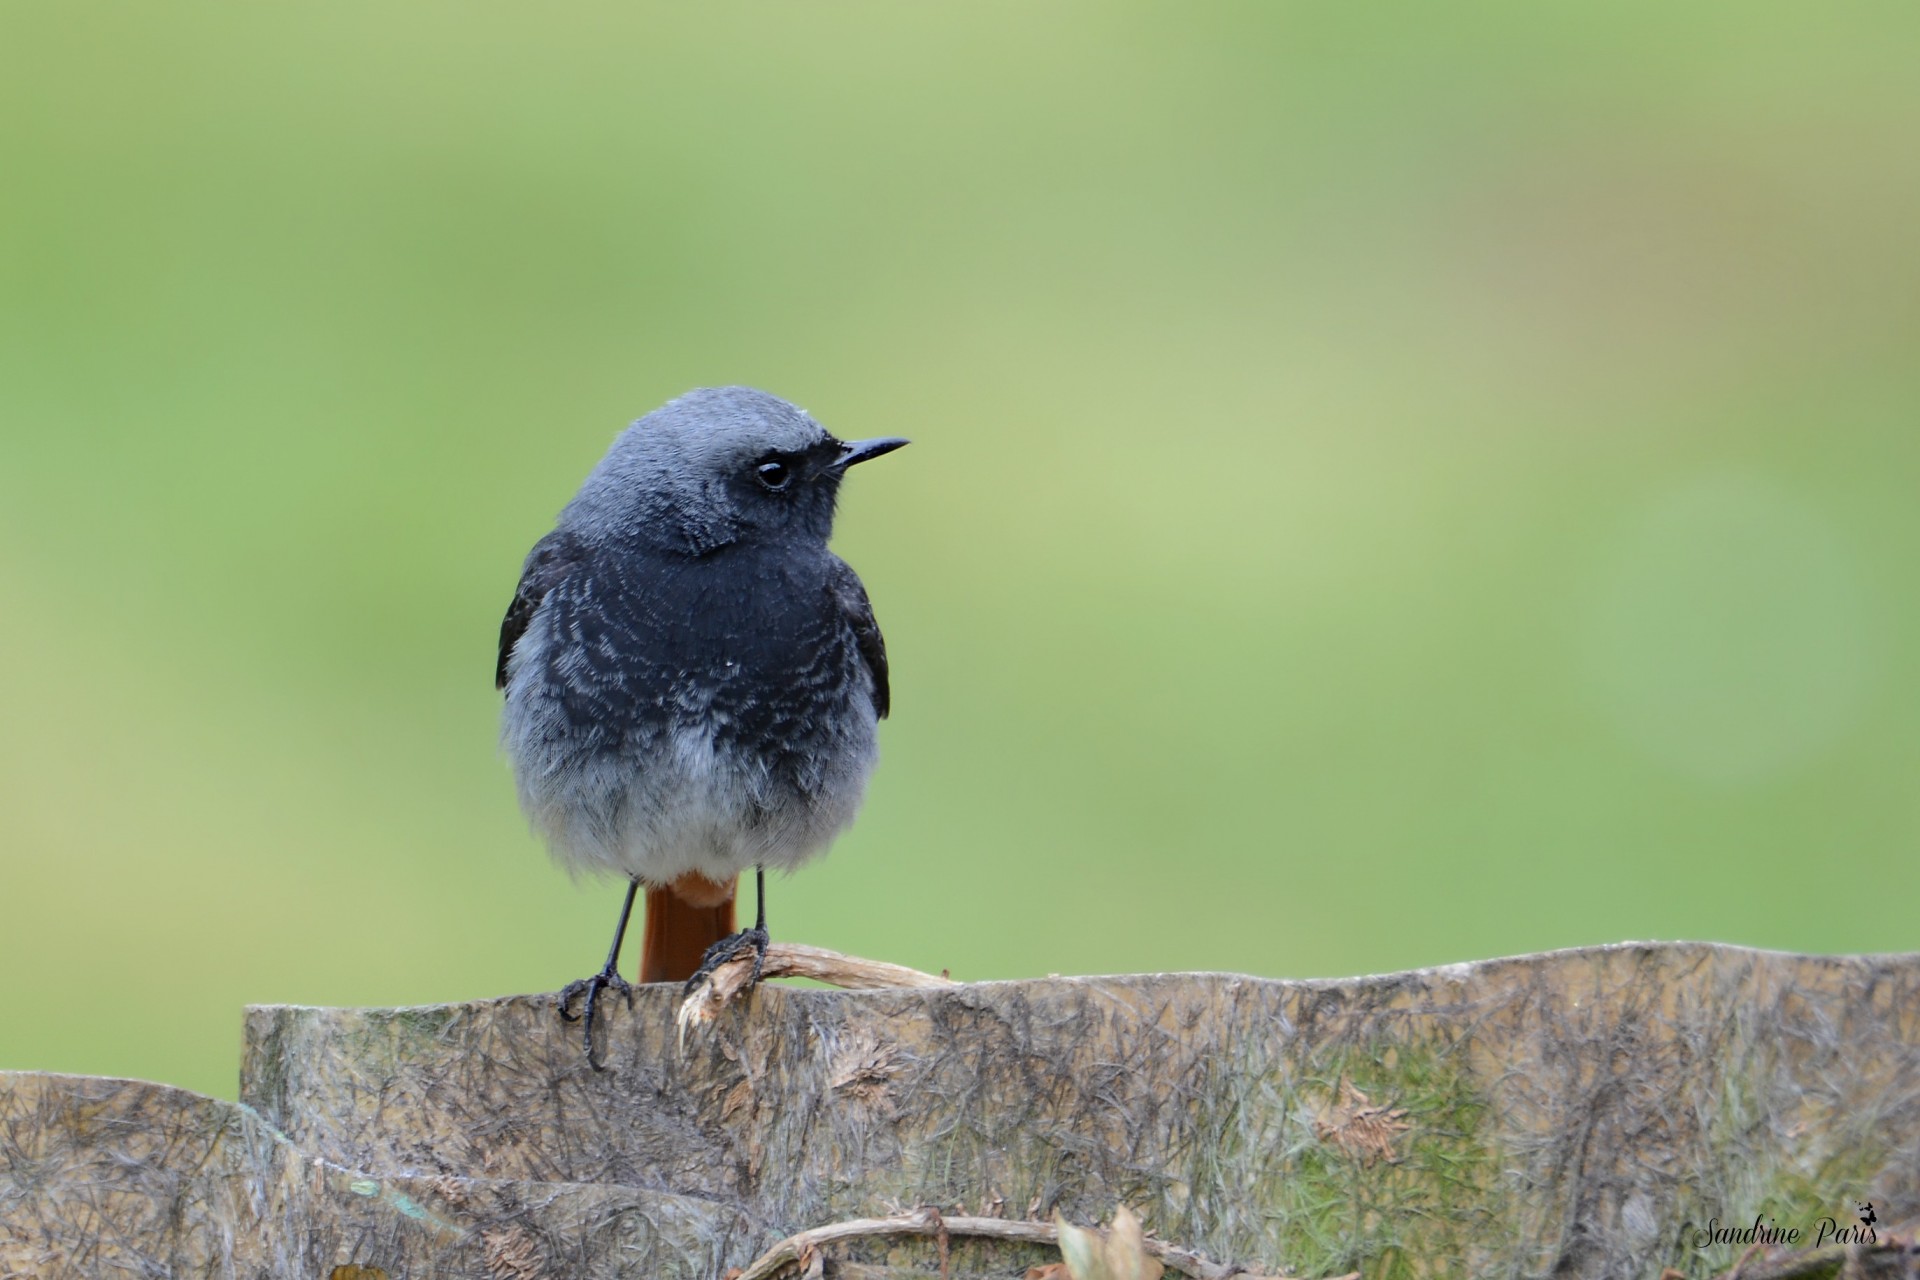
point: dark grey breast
(764, 647)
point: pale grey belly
(679, 797)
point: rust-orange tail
(684, 919)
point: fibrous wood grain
(1582, 1113)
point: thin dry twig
(1890, 1258)
(929, 1222)
(793, 960)
(1741, 1263)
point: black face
(783, 492)
(783, 470)
(781, 489)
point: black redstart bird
(693, 681)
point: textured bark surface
(1561, 1114)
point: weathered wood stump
(1567, 1114)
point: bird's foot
(729, 948)
(591, 987)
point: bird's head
(718, 466)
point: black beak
(861, 450)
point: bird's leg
(729, 947)
(607, 977)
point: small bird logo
(1867, 1218)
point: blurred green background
(1390, 486)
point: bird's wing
(550, 560)
(851, 599)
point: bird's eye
(774, 475)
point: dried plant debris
(863, 1066)
(1120, 1254)
(513, 1254)
(1360, 1128)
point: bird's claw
(727, 949)
(591, 987)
